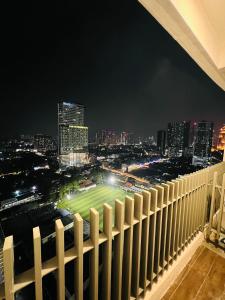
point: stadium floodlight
(17, 193)
(112, 180)
(68, 196)
(34, 188)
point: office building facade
(203, 142)
(161, 141)
(178, 136)
(221, 139)
(73, 135)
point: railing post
(118, 250)
(8, 261)
(220, 214)
(145, 240)
(183, 193)
(152, 229)
(107, 252)
(212, 206)
(175, 223)
(128, 245)
(191, 216)
(138, 207)
(159, 196)
(170, 222)
(59, 229)
(164, 225)
(205, 195)
(78, 244)
(94, 263)
(37, 263)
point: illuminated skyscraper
(221, 139)
(124, 138)
(107, 137)
(161, 141)
(202, 142)
(73, 135)
(178, 135)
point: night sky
(111, 56)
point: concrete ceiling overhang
(199, 27)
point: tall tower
(203, 142)
(161, 141)
(178, 135)
(72, 134)
(221, 139)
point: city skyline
(121, 57)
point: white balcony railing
(150, 232)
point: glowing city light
(112, 180)
(17, 193)
(221, 139)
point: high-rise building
(44, 142)
(178, 135)
(161, 141)
(131, 138)
(124, 138)
(221, 139)
(73, 135)
(107, 137)
(203, 142)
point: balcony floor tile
(202, 278)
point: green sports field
(94, 198)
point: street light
(17, 193)
(34, 188)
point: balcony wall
(150, 232)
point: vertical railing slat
(165, 222)
(59, 229)
(195, 203)
(78, 264)
(188, 208)
(179, 203)
(94, 255)
(174, 234)
(37, 263)
(145, 240)
(107, 252)
(8, 262)
(221, 206)
(138, 207)
(128, 246)
(182, 240)
(152, 228)
(185, 209)
(170, 222)
(206, 188)
(212, 206)
(159, 196)
(118, 250)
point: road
(126, 174)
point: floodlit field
(94, 198)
